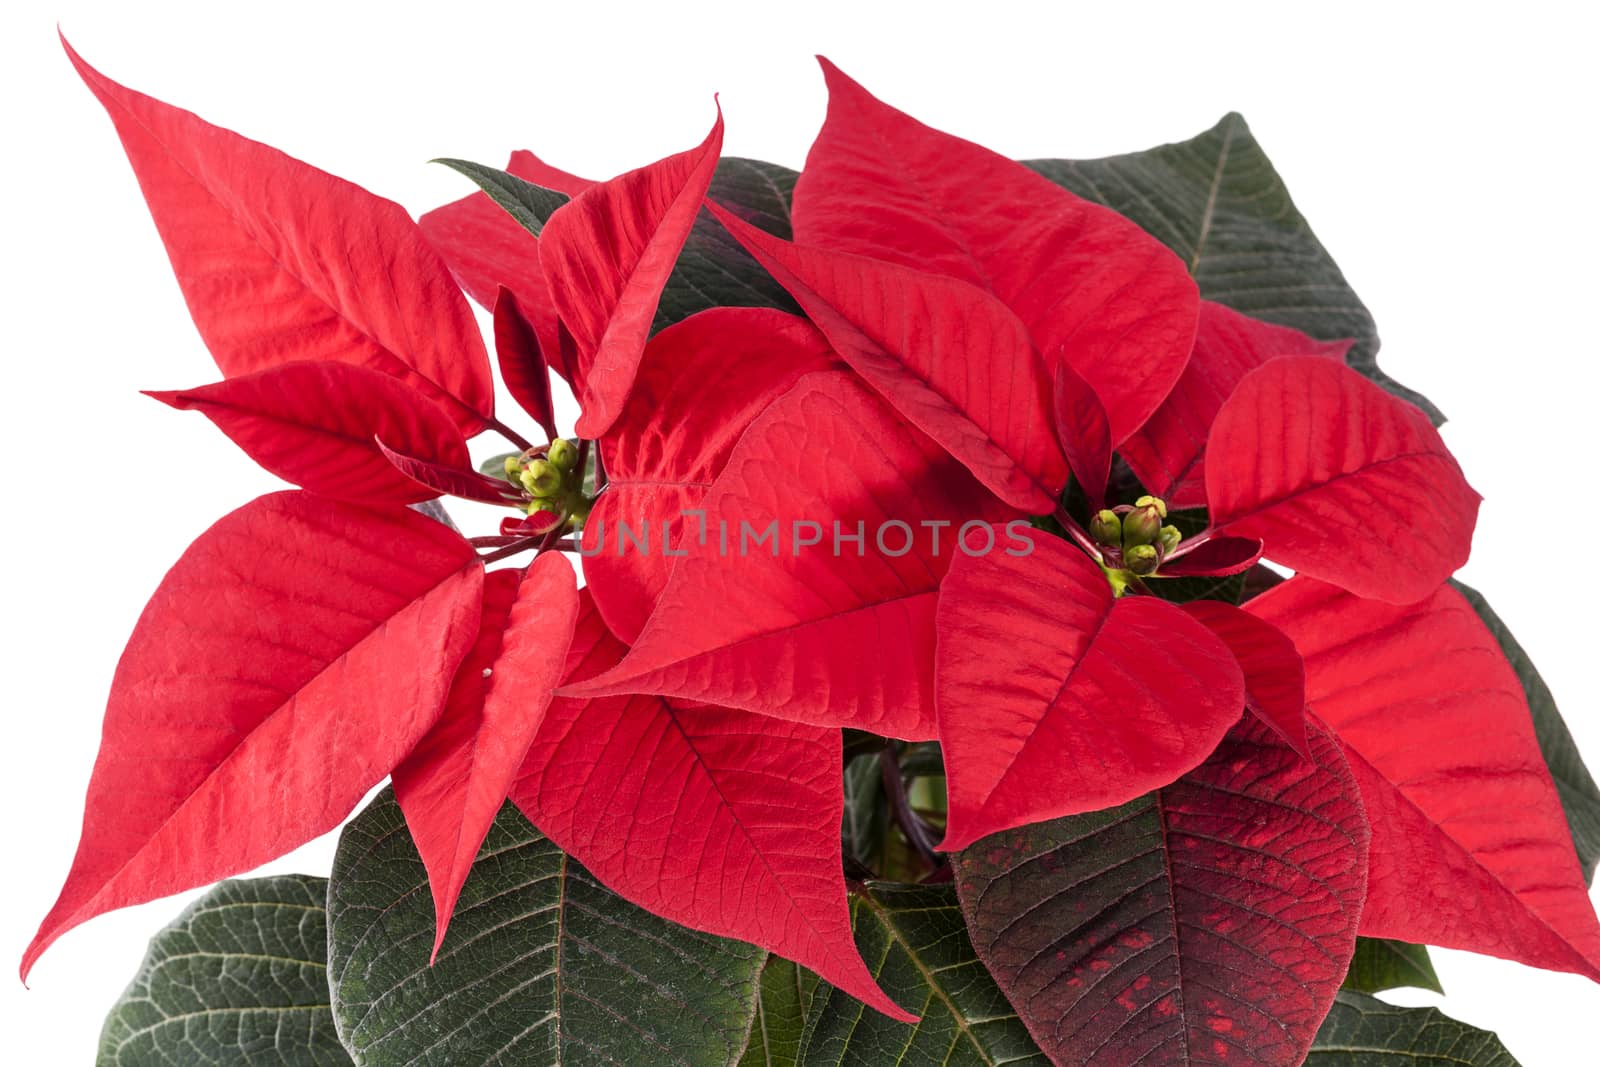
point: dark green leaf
(1216, 201)
(240, 978)
(915, 942)
(1380, 964)
(531, 205)
(786, 992)
(1362, 1031)
(714, 270)
(866, 811)
(1580, 798)
(542, 966)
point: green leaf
(1216, 201)
(1381, 964)
(495, 467)
(714, 270)
(915, 942)
(866, 811)
(542, 966)
(1362, 1031)
(531, 205)
(239, 978)
(786, 992)
(1580, 798)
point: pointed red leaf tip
(282, 262)
(1093, 289)
(288, 661)
(811, 595)
(675, 436)
(522, 362)
(1055, 698)
(1168, 451)
(1217, 556)
(487, 249)
(453, 784)
(1211, 922)
(607, 255)
(713, 818)
(315, 424)
(1274, 674)
(1470, 849)
(1340, 480)
(951, 359)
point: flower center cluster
(1133, 538)
(554, 482)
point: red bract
(246, 228)
(1056, 698)
(761, 796)
(291, 658)
(607, 256)
(452, 786)
(1470, 848)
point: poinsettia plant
(886, 668)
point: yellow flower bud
(541, 478)
(1142, 559)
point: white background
(1445, 157)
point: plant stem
(509, 434)
(894, 787)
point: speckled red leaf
(1093, 289)
(1470, 849)
(1055, 698)
(315, 424)
(1208, 923)
(717, 819)
(453, 784)
(607, 255)
(700, 384)
(1168, 451)
(280, 261)
(523, 366)
(1341, 481)
(1274, 673)
(487, 249)
(949, 357)
(288, 661)
(804, 632)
